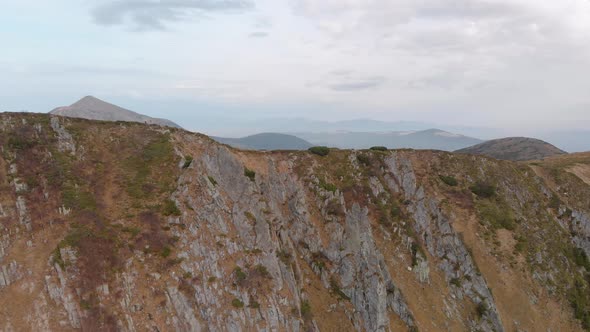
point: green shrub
(19, 143)
(456, 282)
(496, 214)
(240, 275)
(284, 256)
(320, 150)
(581, 259)
(254, 305)
(328, 186)
(416, 250)
(379, 148)
(335, 287)
(482, 309)
(363, 159)
(187, 161)
(170, 209)
(249, 173)
(554, 202)
(165, 252)
(76, 198)
(579, 297)
(483, 190)
(262, 271)
(237, 303)
(305, 309)
(134, 231)
(449, 180)
(521, 244)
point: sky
(513, 64)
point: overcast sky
(502, 63)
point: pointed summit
(93, 108)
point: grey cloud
(258, 34)
(358, 84)
(153, 15)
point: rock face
(514, 148)
(129, 227)
(95, 109)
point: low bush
(237, 303)
(239, 274)
(496, 214)
(363, 159)
(328, 186)
(482, 309)
(483, 190)
(305, 310)
(250, 174)
(262, 271)
(379, 148)
(320, 150)
(170, 209)
(187, 161)
(335, 286)
(449, 180)
(579, 298)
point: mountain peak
(92, 108)
(514, 148)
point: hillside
(425, 139)
(266, 141)
(514, 148)
(95, 109)
(122, 226)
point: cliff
(131, 227)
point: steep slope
(514, 148)
(95, 109)
(266, 141)
(426, 139)
(123, 226)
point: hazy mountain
(266, 141)
(514, 148)
(95, 109)
(351, 241)
(424, 139)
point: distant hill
(435, 139)
(266, 141)
(95, 109)
(514, 148)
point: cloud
(258, 34)
(345, 80)
(154, 14)
(360, 84)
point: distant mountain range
(95, 109)
(266, 141)
(514, 148)
(300, 134)
(424, 139)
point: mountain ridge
(125, 226)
